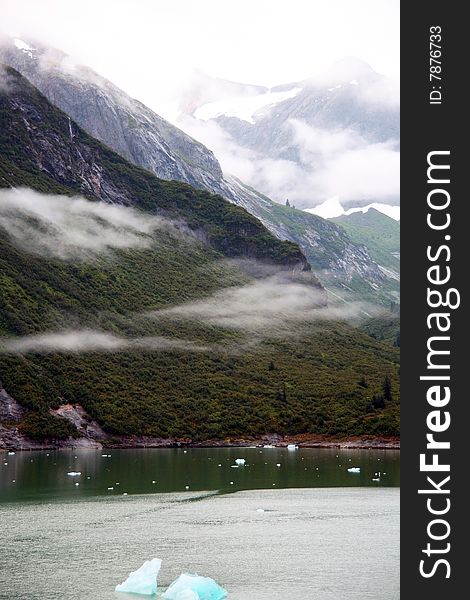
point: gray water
(323, 534)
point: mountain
(160, 337)
(343, 263)
(381, 235)
(147, 140)
(349, 96)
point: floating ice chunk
(144, 580)
(354, 470)
(268, 446)
(74, 473)
(260, 510)
(187, 594)
(203, 588)
(240, 462)
(278, 464)
(292, 447)
(11, 453)
(376, 479)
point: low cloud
(330, 163)
(64, 227)
(87, 340)
(272, 306)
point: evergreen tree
(387, 388)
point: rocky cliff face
(110, 115)
(144, 138)
(41, 140)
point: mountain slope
(342, 100)
(167, 377)
(343, 262)
(379, 233)
(147, 140)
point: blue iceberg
(194, 587)
(144, 580)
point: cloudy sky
(151, 48)
(147, 46)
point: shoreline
(16, 442)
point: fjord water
(306, 529)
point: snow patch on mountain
(244, 107)
(21, 45)
(332, 208)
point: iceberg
(187, 594)
(240, 462)
(292, 447)
(144, 580)
(201, 588)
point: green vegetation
(320, 379)
(381, 235)
(329, 243)
(36, 151)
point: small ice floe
(260, 510)
(144, 580)
(194, 587)
(106, 455)
(292, 447)
(240, 462)
(231, 483)
(125, 494)
(375, 478)
(153, 481)
(219, 465)
(185, 451)
(268, 446)
(186, 487)
(11, 453)
(5, 463)
(74, 473)
(354, 470)
(77, 483)
(110, 489)
(278, 464)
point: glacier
(144, 580)
(194, 587)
